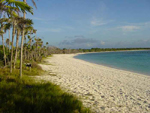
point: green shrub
(27, 96)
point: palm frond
(7, 26)
(34, 3)
(18, 5)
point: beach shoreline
(112, 51)
(110, 66)
(102, 88)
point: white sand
(102, 88)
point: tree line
(55, 50)
(21, 28)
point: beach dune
(101, 88)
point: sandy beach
(103, 89)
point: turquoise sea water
(135, 61)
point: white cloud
(142, 24)
(99, 22)
(129, 28)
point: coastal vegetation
(55, 50)
(27, 95)
(19, 91)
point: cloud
(142, 24)
(99, 21)
(129, 28)
(134, 26)
(81, 42)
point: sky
(93, 23)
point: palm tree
(1, 34)
(25, 24)
(8, 6)
(16, 52)
(22, 39)
(13, 35)
(7, 43)
(22, 35)
(20, 23)
(7, 27)
(28, 30)
(11, 7)
(9, 40)
(18, 27)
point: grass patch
(27, 96)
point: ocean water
(135, 61)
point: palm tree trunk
(22, 39)
(21, 53)
(28, 54)
(4, 50)
(13, 35)
(17, 40)
(9, 40)
(25, 53)
(36, 52)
